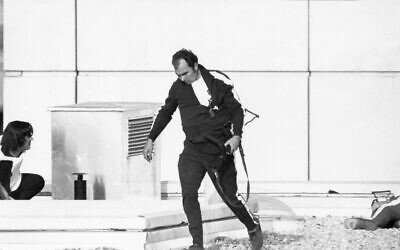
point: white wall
(354, 35)
(354, 126)
(39, 60)
(275, 144)
(1, 61)
(319, 73)
(30, 96)
(354, 104)
(225, 36)
(230, 35)
(39, 35)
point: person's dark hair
(186, 55)
(14, 136)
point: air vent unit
(104, 140)
(138, 131)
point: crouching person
(15, 141)
(384, 216)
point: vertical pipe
(79, 187)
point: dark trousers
(31, 185)
(191, 173)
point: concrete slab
(179, 243)
(140, 224)
(211, 227)
(166, 238)
(143, 224)
(176, 217)
(82, 215)
(115, 239)
(100, 214)
(323, 205)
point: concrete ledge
(117, 224)
(172, 188)
(139, 224)
(335, 205)
(101, 214)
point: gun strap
(245, 170)
(217, 180)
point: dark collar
(207, 77)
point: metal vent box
(105, 141)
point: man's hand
(233, 142)
(148, 150)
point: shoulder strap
(246, 110)
(245, 170)
(221, 73)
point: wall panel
(143, 34)
(39, 35)
(276, 143)
(355, 123)
(355, 35)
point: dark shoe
(256, 238)
(195, 247)
(359, 223)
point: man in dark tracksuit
(208, 109)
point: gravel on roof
(318, 233)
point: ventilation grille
(138, 131)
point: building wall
(1, 64)
(322, 75)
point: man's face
(185, 73)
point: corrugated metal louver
(138, 131)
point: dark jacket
(196, 118)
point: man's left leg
(228, 183)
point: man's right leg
(191, 173)
(228, 183)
